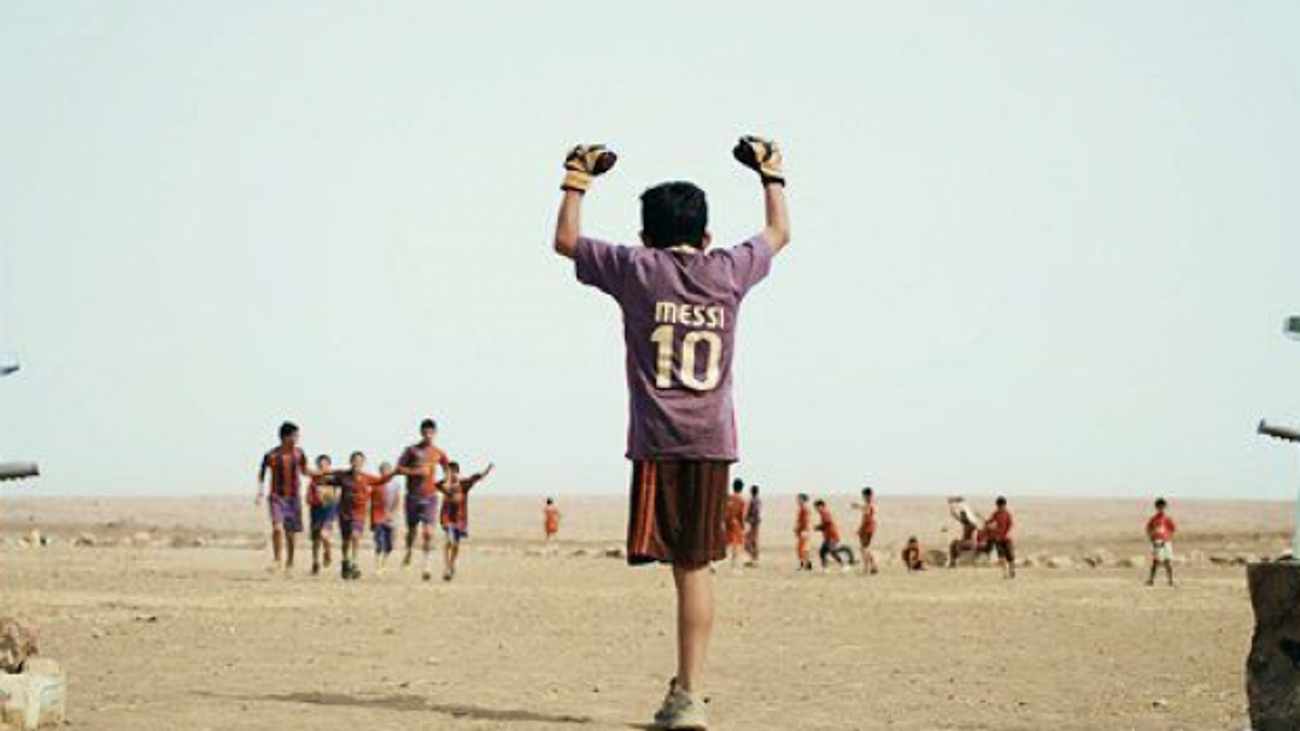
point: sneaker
(315, 569)
(680, 712)
(345, 570)
(427, 575)
(355, 573)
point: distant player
(323, 505)
(969, 521)
(454, 516)
(385, 501)
(867, 529)
(355, 489)
(998, 528)
(912, 557)
(679, 301)
(1160, 531)
(286, 465)
(418, 464)
(803, 533)
(753, 522)
(830, 531)
(550, 520)
(736, 524)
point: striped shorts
(678, 512)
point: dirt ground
(158, 637)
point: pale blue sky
(1039, 247)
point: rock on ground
(17, 643)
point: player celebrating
(286, 465)
(455, 514)
(679, 302)
(323, 505)
(418, 463)
(355, 488)
(1160, 531)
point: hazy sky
(1039, 247)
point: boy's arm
(582, 165)
(261, 482)
(764, 157)
(777, 231)
(568, 225)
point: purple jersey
(679, 324)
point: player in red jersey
(419, 464)
(867, 529)
(736, 523)
(1160, 531)
(550, 520)
(286, 465)
(830, 531)
(679, 301)
(803, 533)
(454, 516)
(998, 528)
(323, 505)
(355, 487)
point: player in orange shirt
(830, 531)
(418, 464)
(1160, 530)
(803, 533)
(998, 528)
(455, 513)
(384, 503)
(867, 529)
(286, 465)
(735, 517)
(323, 505)
(550, 520)
(355, 487)
(912, 557)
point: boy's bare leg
(277, 546)
(1151, 580)
(327, 546)
(694, 623)
(1169, 571)
(290, 544)
(410, 546)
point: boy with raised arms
(679, 301)
(454, 516)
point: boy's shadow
(419, 704)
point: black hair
(550, 501)
(737, 483)
(323, 458)
(429, 424)
(360, 454)
(1161, 503)
(803, 496)
(673, 214)
(737, 487)
(1001, 502)
(288, 429)
(753, 489)
(819, 504)
(453, 466)
(868, 492)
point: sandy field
(166, 619)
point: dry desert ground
(165, 618)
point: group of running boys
(437, 494)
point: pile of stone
(33, 690)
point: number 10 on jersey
(664, 337)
